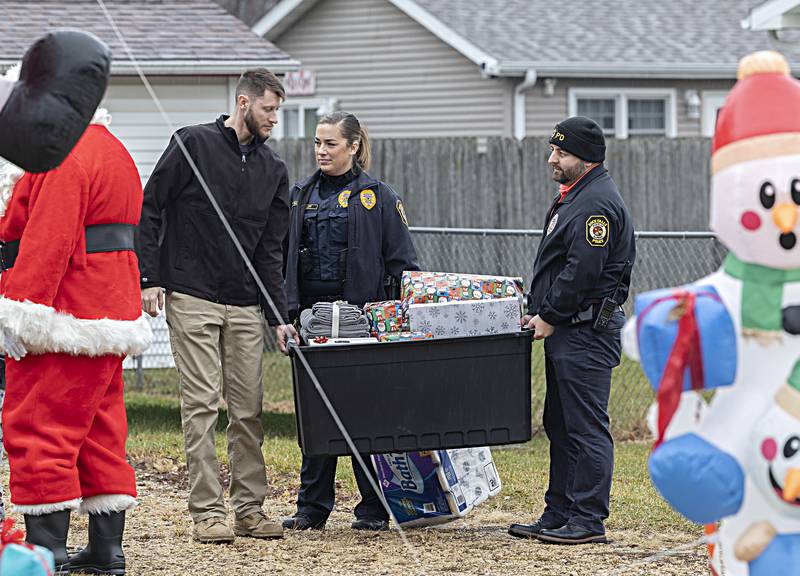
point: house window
(299, 118)
(647, 115)
(601, 110)
(623, 112)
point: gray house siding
(542, 112)
(397, 77)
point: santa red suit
(77, 314)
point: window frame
(710, 102)
(301, 104)
(621, 97)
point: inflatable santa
(44, 112)
(70, 311)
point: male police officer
(581, 277)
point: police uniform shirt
(325, 227)
(587, 239)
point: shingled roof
(612, 38)
(165, 36)
(645, 37)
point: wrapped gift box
(385, 317)
(466, 318)
(438, 287)
(404, 336)
(426, 488)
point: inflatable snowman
(737, 331)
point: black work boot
(50, 531)
(104, 553)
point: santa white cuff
(44, 329)
(107, 503)
(42, 509)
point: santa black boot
(50, 531)
(104, 553)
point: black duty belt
(99, 238)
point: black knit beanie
(581, 137)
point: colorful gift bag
(385, 317)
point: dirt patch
(158, 542)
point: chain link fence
(663, 259)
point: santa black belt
(99, 238)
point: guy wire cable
(260, 285)
(356, 454)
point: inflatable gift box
(18, 558)
(665, 328)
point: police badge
(367, 199)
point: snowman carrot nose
(791, 485)
(785, 217)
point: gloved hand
(13, 346)
(63, 78)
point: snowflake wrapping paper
(466, 318)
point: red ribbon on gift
(11, 535)
(685, 353)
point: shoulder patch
(344, 197)
(552, 225)
(368, 199)
(402, 211)
(597, 230)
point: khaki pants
(219, 347)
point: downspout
(519, 102)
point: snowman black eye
(796, 191)
(791, 447)
(767, 195)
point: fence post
(139, 373)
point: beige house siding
(187, 100)
(397, 77)
(542, 112)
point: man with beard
(581, 277)
(213, 305)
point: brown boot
(256, 525)
(213, 530)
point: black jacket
(587, 239)
(196, 255)
(378, 240)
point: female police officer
(348, 240)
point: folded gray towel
(318, 321)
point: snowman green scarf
(762, 294)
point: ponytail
(364, 154)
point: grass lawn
(155, 434)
